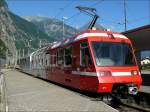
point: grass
(146, 67)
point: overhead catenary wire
(92, 5)
(138, 19)
(121, 23)
(61, 10)
(97, 3)
(149, 10)
(125, 15)
(70, 3)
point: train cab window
(85, 58)
(67, 57)
(113, 54)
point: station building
(140, 38)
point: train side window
(34, 62)
(42, 61)
(49, 60)
(39, 62)
(60, 58)
(85, 58)
(53, 60)
(46, 63)
(68, 57)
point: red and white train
(92, 60)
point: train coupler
(132, 89)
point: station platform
(26, 93)
(146, 82)
(146, 78)
(145, 89)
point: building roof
(140, 37)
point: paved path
(26, 93)
(145, 72)
(146, 81)
(145, 89)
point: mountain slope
(27, 31)
(7, 30)
(52, 27)
(18, 34)
(2, 49)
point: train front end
(115, 64)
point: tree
(3, 3)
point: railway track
(123, 105)
(138, 103)
(133, 107)
(131, 104)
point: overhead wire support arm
(91, 12)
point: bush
(146, 66)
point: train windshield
(113, 54)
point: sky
(111, 12)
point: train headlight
(104, 73)
(134, 72)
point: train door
(67, 64)
(75, 65)
(85, 57)
(87, 68)
(68, 57)
(47, 64)
(52, 69)
(60, 58)
(43, 75)
(75, 56)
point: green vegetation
(27, 31)
(2, 49)
(29, 36)
(51, 26)
(146, 67)
(2, 3)
(24, 34)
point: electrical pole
(19, 56)
(125, 16)
(29, 47)
(40, 45)
(63, 20)
(63, 28)
(15, 59)
(7, 61)
(149, 10)
(23, 52)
